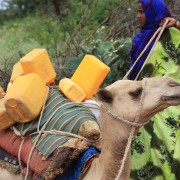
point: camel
(125, 106)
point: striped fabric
(63, 115)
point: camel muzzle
(174, 99)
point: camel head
(123, 98)
(124, 107)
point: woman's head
(151, 13)
(141, 17)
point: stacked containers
(37, 61)
(25, 94)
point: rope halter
(128, 122)
(132, 124)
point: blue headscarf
(155, 11)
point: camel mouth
(173, 100)
(169, 98)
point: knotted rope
(42, 131)
(133, 124)
(114, 116)
(131, 135)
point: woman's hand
(171, 22)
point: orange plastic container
(38, 61)
(25, 98)
(5, 120)
(16, 72)
(90, 74)
(71, 90)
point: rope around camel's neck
(160, 30)
(133, 125)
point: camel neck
(114, 142)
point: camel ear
(104, 95)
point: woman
(155, 151)
(151, 15)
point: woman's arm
(171, 23)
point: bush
(114, 53)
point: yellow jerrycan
(90, 74)
(24, 100)
(16, 72)
(37, 61)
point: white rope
(160, 31)
(147, 59)
(114, 116)
(133, 124)
(152, 38)
(19, 152)
(55, 132)
(37, 138)
(40, 117)
(131, 135)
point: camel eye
(136, 93)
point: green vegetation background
(68, 29)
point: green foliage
(173, 52)
(137, 145)
(33, 32)
(34, 24)
(21, 8)
(115, 54)
(166, 156)
(13, 45)
(147, 172)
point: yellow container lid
(90, 74)
(71, 90)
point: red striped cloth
(11, 143)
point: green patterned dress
(156, 148)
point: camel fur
(123, 99)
